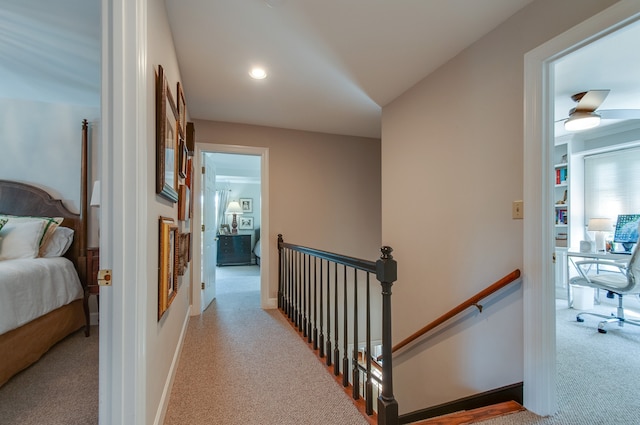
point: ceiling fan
(583, 116)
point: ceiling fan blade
(591, 100)
(620, 114)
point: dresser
(234, 250)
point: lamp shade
(95, 194)
(234, 208)
(600, 225)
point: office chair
(623, 281)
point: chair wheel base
(579, 319)
(602, 331)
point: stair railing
(310, 282)
(473, 301)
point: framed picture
(182, 162)
(183, 258)
(225, 229)
(168, 264)
(246, 204)
(245, 223)
(182, 111)
(182, 202)
(166, 140)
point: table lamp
(600, 226)
(235, 209)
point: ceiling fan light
(582, 121)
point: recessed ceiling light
(258, 73)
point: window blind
(612, 184)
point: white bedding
(30, 288)
(256, 249)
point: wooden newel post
(387, 273)
(280, 278)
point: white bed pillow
(58, 243)
(21, 239)
(51, 223)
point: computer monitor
(626, 231)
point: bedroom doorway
(241, 176)
(237, 183)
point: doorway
(538, 280)
(237, 184)
(243, 173)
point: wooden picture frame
(245, 223)
(183, 154)
(182, 202)
(168, 264)
(182, 111)
(166, 140)
(246, 204)
(225, 229)
(184, 253)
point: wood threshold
(474, 415)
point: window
(612, 184)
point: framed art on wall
(182, 111)
(245, 223)
(246, 204)
(166, 140)
(168, 264)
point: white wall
(324, 189)
(452, 153)
(162, 336)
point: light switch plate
(517, 210)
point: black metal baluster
(328, 313)
(300, 287)
(345, 328)
(295, 287)
(369, 384)
(321, 335)
(304, 295)
(354, 360)
(308, 328)
(336, 349)
(314, 334)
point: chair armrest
(622, 267)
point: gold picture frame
(166, 140)
(168, 264)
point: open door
(209, 239)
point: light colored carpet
(60, 389)
(244, 365)
(598, 374)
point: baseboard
(163, 405)
(270, 304)
(507, 393)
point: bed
(30, 321)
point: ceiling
(332, 64)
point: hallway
(244, 365)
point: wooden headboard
(24, 199)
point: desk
(606, 257)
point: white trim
(161, 412)
(539, 296)
(265, 301)
(123, 306)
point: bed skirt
(23, 346)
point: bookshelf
(561, 194)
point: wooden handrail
(473, 301)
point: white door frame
(124, 151)
(538, 278)
(200, 148)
